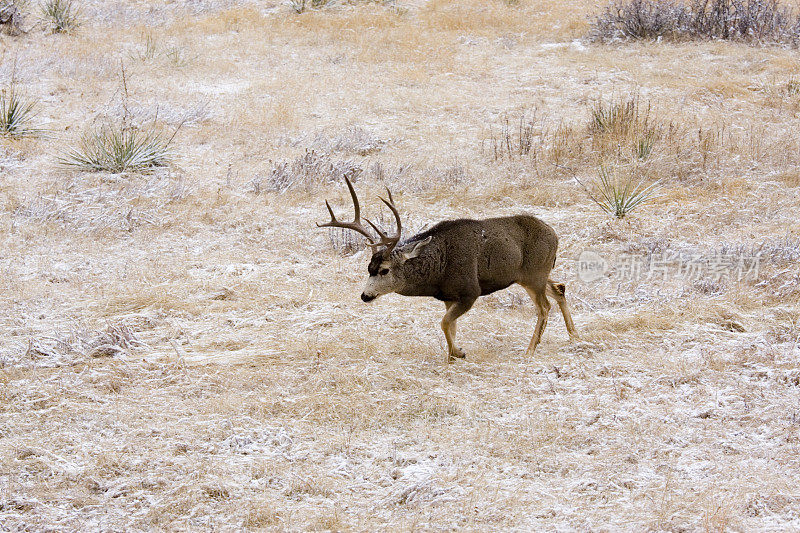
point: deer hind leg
(539, 298)
(557, 292)
(454, 310)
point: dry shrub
(304, 173)
(639, 19)
(755, 21)
(76, 346)
(517, 140)
(11, 16)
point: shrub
(306, 171)
(640, 19)
(11, 15)
(743, 20)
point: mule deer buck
(456, 261)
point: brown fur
(466, 259)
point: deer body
(457, 261)
(470, 258)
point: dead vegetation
(181, 349)
(753, 21)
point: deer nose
(367, 298)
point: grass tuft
(616, 117)
(61, 15)
(791, 87)
(299, 6)
(623, 123)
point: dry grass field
(182, 349)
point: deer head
(385, 266)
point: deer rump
(468, 258)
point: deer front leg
(454, 310)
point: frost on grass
(269, 396)
(354, 140)
(754, 21)
(71, 348)
(305, 172)
(140, 114)
(123, 205)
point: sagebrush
(755, 21)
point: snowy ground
(184, 350)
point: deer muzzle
(367, 298)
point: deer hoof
(457, 353)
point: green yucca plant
(113, 149)
(619, 196)
(16, 114)
(62, 15)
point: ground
(182, 348)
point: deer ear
(415, 251)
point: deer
(458, 261)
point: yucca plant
(16, 114)
(119, 149)
(619, 196)
(62, 15)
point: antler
(389, 241)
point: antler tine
(392, 241)
(356, 224)
(330, 210)
(356, 206)
(380, 233)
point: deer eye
(383, 271)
